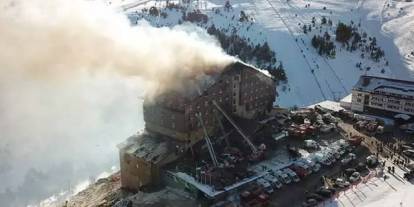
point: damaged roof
(149, 147)
(196, 87)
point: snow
(279, 22)
(209, 190)
(346, 101)
(331, 105)
(394, 192)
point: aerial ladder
(251, 145)
(221, 128)
(208, 141)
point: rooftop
(149, 147)
(387, 85)
(196, 86)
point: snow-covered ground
(393, 192)
(312, 78)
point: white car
(282, 177)
(321, 158)
(312, 144)
(349, 157)
(341, 183)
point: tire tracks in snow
(291, 33)
(314, 58)
(302, 18)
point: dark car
(310, 203)
(326, 193)
(349, 171)
(315, 196)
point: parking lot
(294, 194)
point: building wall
(257, 94)
(245, 93)
(381, 101)
(136, 172)
(358, 99)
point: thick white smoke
(70, 75)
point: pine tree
(323, 20)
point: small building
(383, 96)
(142, 157)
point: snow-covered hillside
(311, 78)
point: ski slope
(312, 78)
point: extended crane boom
(208, 141)
(251, 145)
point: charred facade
(241, 90)
(173, 119)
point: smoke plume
(70, 75)
(60, 37)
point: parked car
(361, 167)
(283, 177)
(315, 167)
(266, 185)
(348, 172)
(341, 183)
(310, 203)
(311, 144)
(348, 158)
(326, 128)
(273, 180)
(355, 177)
(326, 193)
(372, 161)
(292, 174)
(322, 158)
(315, 196)
(300, 171)
(305, 166)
